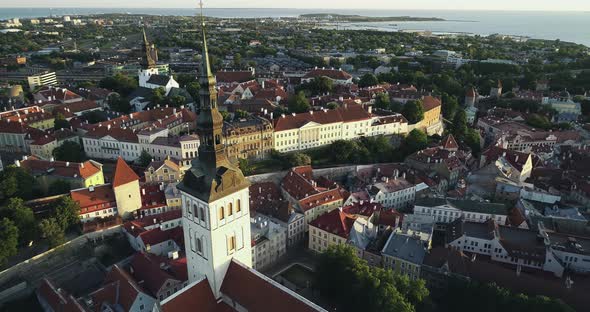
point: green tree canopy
(17, 182)
(52, 231)
(368, 80)
(144, 159)
(119, 104)
(23, 218)
(158, 96)
(69, 151)
(413, 111)
(58, 187)
(350, 284)
(66, 212)
(299, 103)
(8, 239)
(450, 105)
(119, 83)
(460, 124)
(60, 122)
(415, 141)
(382, 101)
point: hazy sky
(548, 5)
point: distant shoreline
(365, 19)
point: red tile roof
(128, 289)
(430, 102)
(120, 134)
(351, 113)
(58, 299)
(64, 169)
(330, 73)
(94, 198)
(516, 159)
(199, 295)
(337, 222)
(449, 143)
(158, 236)
(233, 76)
(123, 173)
(147, 268)
(255, 292)
(152, 196)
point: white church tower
(215, 196)
(148, 62)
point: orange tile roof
(195, 295)
(330, 73)
(336, 222)
(94, 198)
(84, 170)
(123, 173)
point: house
(338, 77)
(404, 254)
(513, 164)
(266, 199)
(248, 138)
(52, 298)
(95, 202)
(120, 291)
(448, 210)
(432, 121)
(160, 276)
(43, 146)
(519, 247)
(269, 241)
(166, 170)
(78, 175)
(309, 198)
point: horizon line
(292, 8)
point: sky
(537, 5)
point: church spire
(147, 60)
(209, 120)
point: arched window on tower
(231, 209)
(221, 213)
(217, 139)
(238, 206)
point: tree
(23, 218)
(450, 105)
(368, 80)
(60, 122)
(539, 121)
(66, 212)
(193, 89)
(382, 101)
(415, 141)
(237, 60)
(413, 111)
(119, 83)
(350, 284)
(69, 151)
(94, 117)
(245, 166)
(177, 100)
(8, 239)
(460, 124)
(298, 159)
(144, 159)
(342, 151)
(58, 187)
(185, 79)
(52, 231)
(472, 140)
(332, 105)
(158, 96)
(17, 182)
(299, 103)
(119, 104)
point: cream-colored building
(126, 189)
(165, 171)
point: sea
(571, 26)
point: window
(199, 246)
(202, 215)
(238, 206)
(230, 209)
(231, 243)
(221, 213)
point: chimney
(17, 163)
(143, 191)
(67, 163)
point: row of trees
(19, 226)
(350, 284)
